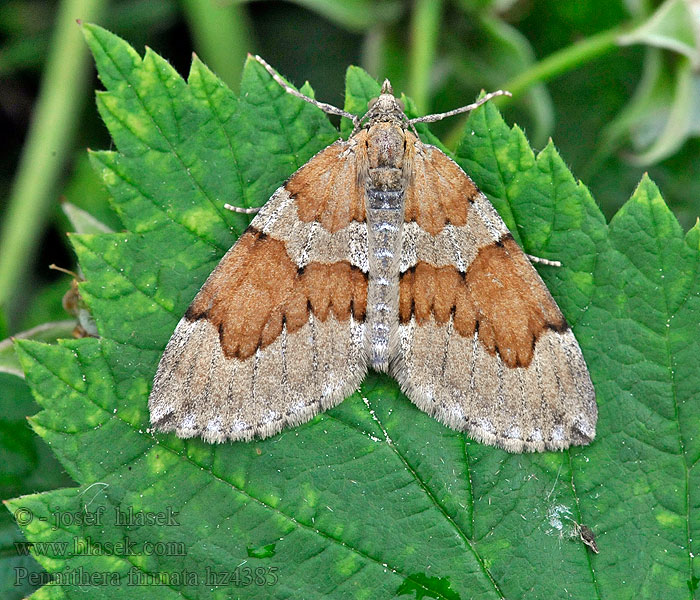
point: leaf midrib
(443, 511)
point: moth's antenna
(457, 111)
(326, 108)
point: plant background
(614, 111)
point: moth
(380, 252)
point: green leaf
(46, 332)
(680, 118)
(28, 466)
(664, 112)
(644, 320)
(674, 26)
(82, 221)
(373, 499)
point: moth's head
(385, 107)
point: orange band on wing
(257, 288)
(501, 295)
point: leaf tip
(250, 59)
(36, 427)
(646, 187)
(647, 205)
(693, 235)
(90, 29)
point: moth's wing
(482, 345)
(276, 333)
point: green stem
(49, 141)
(562, 61)
(565, 60)
(373, 51)
(221, 32)
(425, 28)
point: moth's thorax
(390, 150)
(386, 143)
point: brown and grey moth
(381, 253)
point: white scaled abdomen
(385, 215)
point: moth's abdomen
(385, 216)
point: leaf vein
(424, 486)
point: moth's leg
(457, 111)
(326, 108)
(243, 211)
(543, 261)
